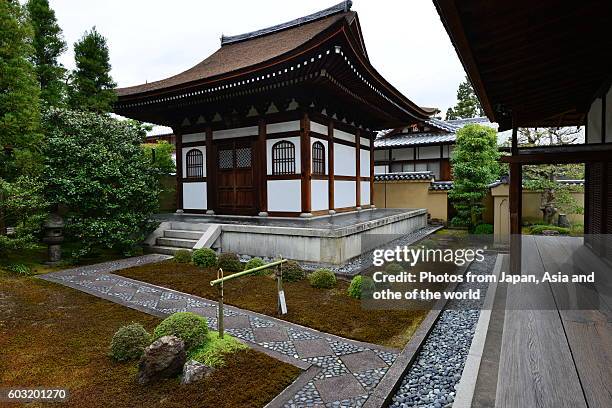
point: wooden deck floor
(556, 344)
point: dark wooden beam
(330, 153)
(210, 171)
(358, 169)
(179, 168)
(305, 152)
(582, 153)
(516, 198)
(372, 171)
(262, 167)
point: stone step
(183, 234)
(177, 242)
(166, 250)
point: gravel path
(432, 379)
(347, 370)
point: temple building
(279, 121)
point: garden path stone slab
(363, 360)
(270, 334)
(345, 366)
(312, 348)
(339, 388)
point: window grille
(226, 159)
(283, 158)
(195, 164)
(318, 158)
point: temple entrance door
(235, 178)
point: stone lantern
(53, 227)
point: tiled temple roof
(412, 175)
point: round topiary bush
(322, 278)
(255, 263)
(229, 262)
(482, 229)
(187, 326)
(394, 268)
(292, 271)
(182, 256)
(204, 258)
(129, 342)
(360, 286)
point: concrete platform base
(331, 240)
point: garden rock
(194, 371)
(164, 358)
(550, 232)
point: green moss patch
(215, 350)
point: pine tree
(48, 46)
(92, 87)
(468, 105)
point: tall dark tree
(92, 87)
(467, 105)
(20, 139)
(19, 92)
(48, 46)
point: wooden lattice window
(318, 158)
(195, 164)
(283, 158)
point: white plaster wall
(319, 128)
(429, 152)
(194, 196)
(381, 169)
(285, 195)
(364, 141)
(609, 116)
(364, 163)
(194, 137)
(283, 127)
(406, 153)
(345, 193)
(344, 160)
(185, 150)
(365, 192)
(594, 122)
(319, 195)
(296, 143)
(314, 139)
(339, 134)
(236, 132)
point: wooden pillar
(516, 198)
(330, 165)
(179, 170)
(262, 169)
(211, 173)
(358, 169)
(305, 152)
(371, 172)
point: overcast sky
(154, 39)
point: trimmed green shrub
(255, 263)
(354, 289)
(182, 256)
(394, 268)
(538, 229)
(482, 229)
(292, 271)
(19, 269)
(229, 262)
(187, 326)
(129, 342)
(322, 278)
(204, 258)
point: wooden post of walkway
(516, 196)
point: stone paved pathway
(347, 370)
